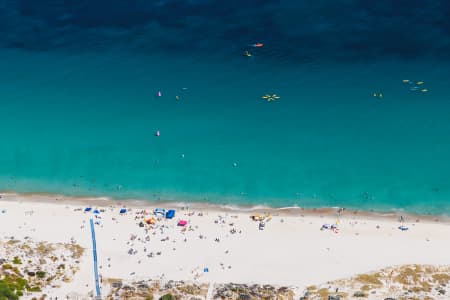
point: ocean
(80, 107)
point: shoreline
(372, 214)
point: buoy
(378, 95)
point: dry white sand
(291, 250)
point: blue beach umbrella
(123, 210)
(96, 211)
(87, 209)
(170, 214)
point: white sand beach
(291, 249)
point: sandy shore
(291, 250)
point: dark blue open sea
(79, 110)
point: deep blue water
(79, 108)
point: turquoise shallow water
(84, 124)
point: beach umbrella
(170, 214)
(87, 209)
(182, 223)
(96, 211)
(123, 210)
(150, 221)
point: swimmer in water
(248, 54)
(257, 45)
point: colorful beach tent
(123, 210)
(161, 211)
(182, 223)
(170, 214)
(87, 209)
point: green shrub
(7, 292)
(40, 274)
(34, 289)
(17, 261)
(21, 283)
(167, 297)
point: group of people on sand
(151, 235)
